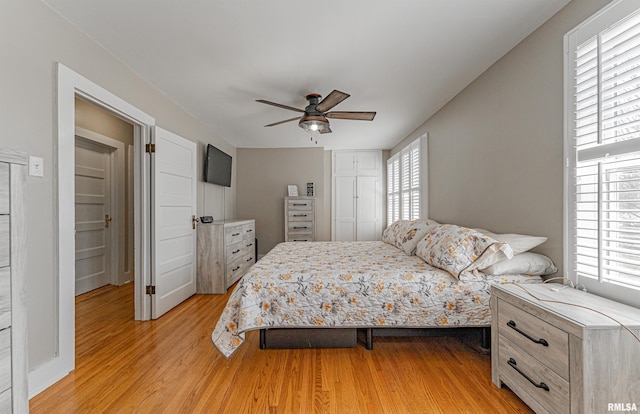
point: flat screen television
(217, 167)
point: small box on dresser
(299, 219)
(226, 250)
(554, 348)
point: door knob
(107, 220)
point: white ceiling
(404, 59)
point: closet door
(345, 209)
(357, 195)
(367, 208)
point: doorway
(103, 198)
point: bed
(353, 285)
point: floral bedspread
(351, 284)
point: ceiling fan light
(314, 123)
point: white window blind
(403, 184)
(603, 181)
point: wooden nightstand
(560, 358)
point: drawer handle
(249, 245)
(541, 341)
(512, 363)
(299, 204)
(250, 259)
(299, 227)
(299, 215)
(235, 251)
(249, 231)
(300, 240)
(235, 268)
(235, 234)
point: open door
(173, 249)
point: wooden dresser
(226, 250)
(299, 219)
(561, 358)
(13, 306)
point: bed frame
(288, 338)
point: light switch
(36, 166)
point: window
(602, 147)
(403, 184)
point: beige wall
(32, 39)
(496, 149)
(263, 176)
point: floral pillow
(405, 234)
(459, 249)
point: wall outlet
(36, 166)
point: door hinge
(150, 148)
(151, 290)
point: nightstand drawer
(540, 385)
(543, 341)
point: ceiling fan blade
(360, 116)
(283, 122)
(326, 130)
(331, 100)
(291, 108)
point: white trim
(69, 85)
(424, 175)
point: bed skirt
(290, 338)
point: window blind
(403, 184)
(604, 205)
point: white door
(345, 208)
(368, 163)
(173, 270)
(93, 213)
(367, 223)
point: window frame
(605, 18)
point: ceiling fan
(315, 114)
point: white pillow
(522, 264)
(519, 243)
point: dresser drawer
(300, 226)
(523, 329)
(5, 401)
(4, 240)
(249, 245)
(232, 234)
(299, 205)
(304, 237)
(5, 359)
(300, 215)
(248, 232)
(235, 270)
(5, 297)
(234, 251)
(4, 189)
(521, 371)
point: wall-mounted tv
(217, 167)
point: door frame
(115, 151)
(69, 86)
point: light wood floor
(171, 366)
